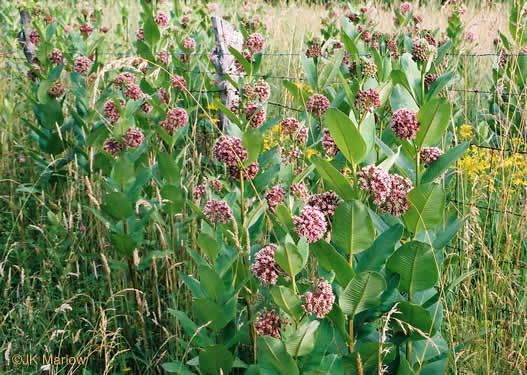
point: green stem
(409, 343)
(351, 344)
(417, 167)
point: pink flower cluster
(299, 190)
(269, 323)
(56, 57)
(164, 57)
(291, 127)
(140, 35)
(261, 91)
(314, 50)
(274, 197)
(176, 118)
(428, 155)
(320, 301)
(388, 192)
(86, 29)
(189, 44)
(248, 172)
(265, 267)
(198, 192)
(218, 211)
(404, 123)
(326, 203)
(255, 114)
(57, 90)
(133, 138)
(229, 150)
(112, 146)
(178, 82)
(405, 7)
(34, 37)
(329, 143)
(317, 105)
(82, 65)
(161, 19)
(367, 100)
(310, 224)
(124, 79)
(133, 92)
(111, 111)
(255, 43)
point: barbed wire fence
(11, 55)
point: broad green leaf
(415, 319)
(230, 115)
(336, 180)
(215, 359)
(413, 75)
(151, 31)
(274, 351)
(404, 367)
(362, 293)
(327, 76)
(175, 197)
(206, 310)
(353, 230)
(438, 167)
(176, 367)
(346, 135)
(433, 120)
(374, 258)
(168, 167)
(310, 70)
(247, 66)
(118, 205)
(303, 340)
(415, 263)
(211, 282)
(288, 301)
(290, 257)
(439, 84)
(401, 98)
(209, 245)
(331, 260)
(367, 131)
(285, 218)
(252, 140)
(123, 172)
(339, 320)
(427, 205)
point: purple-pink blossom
(310, 224)
(404, 123)
(319, 301)
(265, 267)
(317, 105)
(218, 211)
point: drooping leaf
(288, 301)
(274, 351)
(209, 245)
(427, 203)
(335, 180)
(438, 167)
(331, 260)
(433, 120)
(346, 135)
(416, 321)
(353, 230)
(374, 258)
(303, 340)
(415, 263)
(214, 359)
(362, 293)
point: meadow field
(343, 190)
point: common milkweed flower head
(369, 68)
(176, 118)
(289, 126)
(238, 66)
(376, 181)
(216, 185)
(248, 172)
(82, 65)
(262, 90)
(367, 100)
(86, 29)
(314, 50)
(265, 267)
(269, 323)
(421, 50)
(163, 96)
(140, 35)
(396, 203)
(34, 37)
(317, 105)
(56, 57)
(326, 203)
(299, 190)
(198, 192)
(229, 150)
(112, 146)
(189, 44)
(218, 211)
(405, 7)
(124, 79)
(161, 19)
(404, 123)
(319, 301)
(111, 111)
(57, 90)
(310, 224)
(274, 197)
(429, 155)
(164, 57)
(133, 138)
(178, 82)
(133, 92)
(470, 36)
(329, 143)
(255, 114)
(212, 7)
(392, 47)
(255, 43)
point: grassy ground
(44, 275)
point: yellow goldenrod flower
(212, 107)
(466, 131)
(310, 152)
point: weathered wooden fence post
(23, 36)
(226, 36)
